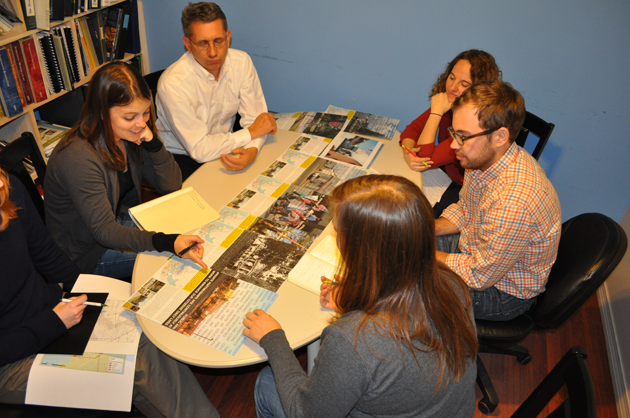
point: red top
(441, 154)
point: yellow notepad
(179, 212)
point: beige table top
(297, 310)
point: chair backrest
(152, 81)
(573, 372)
(590, 248)
(540, 128)
(11, 158)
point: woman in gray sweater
(403, 343)
(95, 173)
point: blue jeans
(266, 396)
(490, 304)
(115, 263)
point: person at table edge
(199, 95)
(503, 234)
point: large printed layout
(261, 234)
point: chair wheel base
(486, 407)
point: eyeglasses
(459, 138)
(203, 45)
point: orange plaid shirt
(510, 222)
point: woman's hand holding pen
(411, 158)
(326, 293)
(258, 324)
(189, 246)
(71, 313)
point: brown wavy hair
(498, 105)
(8, 209)
(114, 84)
(482, 67)
(386, 237)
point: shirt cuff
(241, 138)
(153, 145)
(163, 242)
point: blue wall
(569, 59)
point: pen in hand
(99, 305)
(412, 153)
(331, 282)
(185, 250)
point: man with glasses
(502, 236)
(201, 93)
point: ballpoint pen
(412, 153)
(99, 305)
(185, 250)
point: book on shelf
(50, 134)
(23, 72)
(28, 10)
(11, 104)
(7, 10)
(72, 51)
(68, 8)
(57, 10)
(112, 31)
(86, 42)
(321, 261)
(52, 63)
(46, 75)
(94, 4)
(179, 212)
(13, 66)
(32, 60)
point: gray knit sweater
(81, 197)
(371, 378)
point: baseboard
(622, 397)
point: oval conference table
(297, 310)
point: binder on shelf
(73, 54)
(68, 8)
(42, 14)
(11, 105)
(52, 64)
(100, 17)
(92, 26)
(57, 8)
(64, 65)
(133, 34)
(123, 31)
(32, 60)
(22, 73)
(44, 66)
(28, 9)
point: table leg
(311, 353)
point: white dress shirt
(196, 112)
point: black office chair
(573, 372)
(540, 128)
(11, 158)
(591, 246)
(152, 81)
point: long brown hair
(386, 237)
(482, 67)
(8, 210)
(114, 84)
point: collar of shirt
(203, 73)
(496, 168)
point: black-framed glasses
(459, 138)
(203, 45)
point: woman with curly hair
(466, 69)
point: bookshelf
(12, 127)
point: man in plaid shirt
(502, 236)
